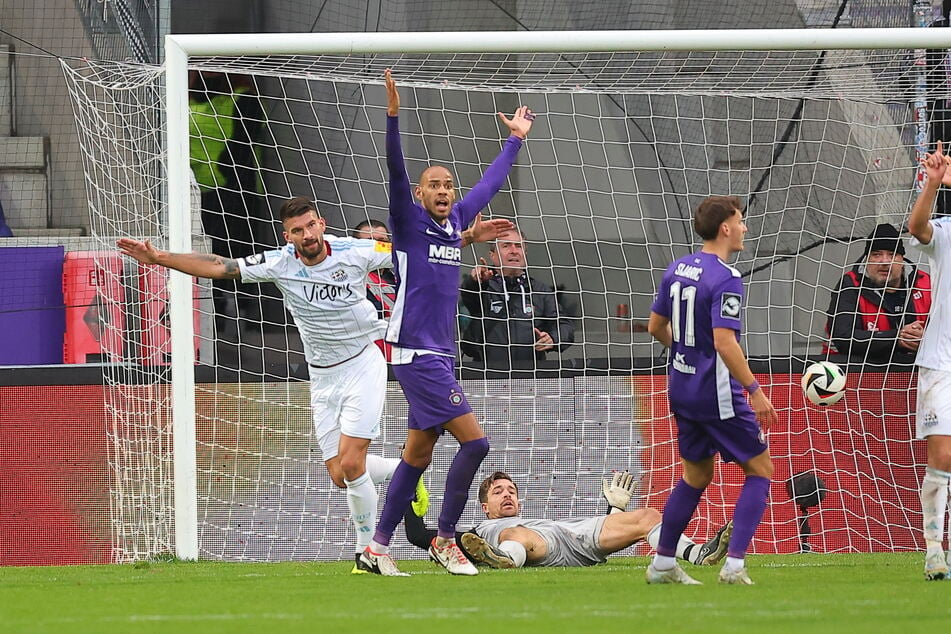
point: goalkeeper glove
(618, 489)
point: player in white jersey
(323, 281)
(933, 238)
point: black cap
(885, 237)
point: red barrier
(156, 343)
(862, 447)
(93, 293)
(54, 476)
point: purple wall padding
(32, 315)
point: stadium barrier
(56, 475)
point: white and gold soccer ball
(824, 383)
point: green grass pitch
(794, 593)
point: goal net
(821, 145)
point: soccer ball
(824, 383)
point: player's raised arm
(392, 94)
(919, 223)
(495, 175)
(519, 124)
(401, 197)
(197, 264)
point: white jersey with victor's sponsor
(328, 300)
(936, 342)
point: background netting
(818, 144)
(821, 145)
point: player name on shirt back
(690, 272)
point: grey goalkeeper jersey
(571, 542)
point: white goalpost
(812, 128)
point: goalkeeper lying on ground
(505, 540)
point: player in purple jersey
(422, 329)
(697, 316)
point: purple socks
(679, 509)
(458, 481)
(747, 515)
(398, 497)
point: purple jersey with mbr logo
(427, 255)
(698, 293)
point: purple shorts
(738, 439)
(430, 386)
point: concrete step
(27, 234)
(25, 197)
(23, 153)
(24, 189)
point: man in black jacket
(877, 312)
(515, 319)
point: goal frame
(179, 47)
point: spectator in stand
(878, 310)
(381, 284)
(4, 228)
(226, 119)
(514, 319)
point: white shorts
(348, 399)
(934, 403)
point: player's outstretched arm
(919, 223)
(485, 230)
(401, 196)
(724, 340)
(495, 175)
(197, 264)
(520, 123)
(392, 94)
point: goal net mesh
(820, 146)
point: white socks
(733, 564)
(684, 546)
(934, 505)
(362, 500)
(380, 468)
(514, 550)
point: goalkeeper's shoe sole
(357, 567)
(674, 575)
(482, 552)
(370, 562)
(936, 568)
(738, 578)
(420, 503)
(714, 550)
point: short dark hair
(713, 212)
(367, 224)
(487, 484)
(296, 206)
